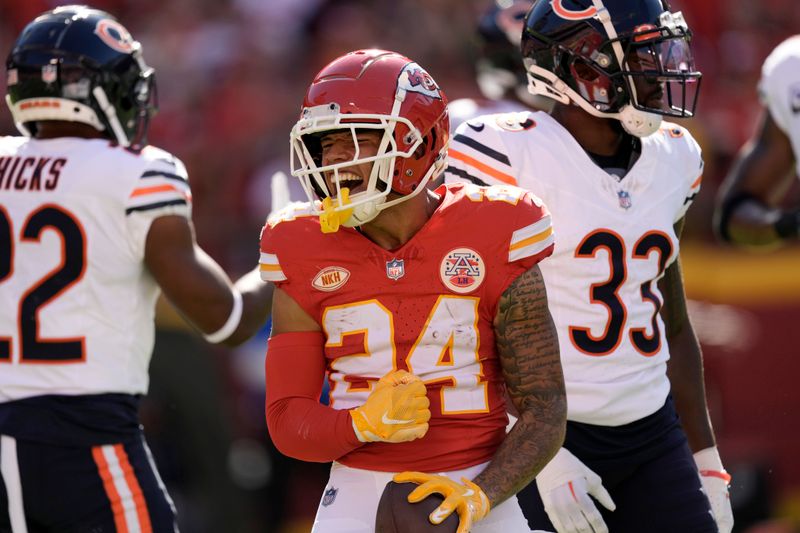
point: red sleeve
(299, 425)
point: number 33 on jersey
(426, 307)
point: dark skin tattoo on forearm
(527, 346)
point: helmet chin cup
(336, 213)
(639, 123)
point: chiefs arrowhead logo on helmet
(413, 78)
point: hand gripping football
(397, 515)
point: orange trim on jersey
(716, 473)
(141, 191)
(483, 167)
(111, 491)
(269, 268)
(697, 182)
(531, 240)
(136, 490)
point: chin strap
(639, 123)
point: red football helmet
(371, 90)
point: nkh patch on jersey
(330, 278)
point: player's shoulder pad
(684, 149)
(520, 219)
(284, 239)
(161, 162)
(680, 139)
(495, 197)
(484, 149)
(289, 212)
(12, 142)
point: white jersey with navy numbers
(76, 302)
(780, 90)
(616, 239)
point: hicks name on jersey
(30, 173)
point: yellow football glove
(396, 411)
(466, 498)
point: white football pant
(350, 503)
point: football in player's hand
(397, 515)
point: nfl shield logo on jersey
(329, 496)
(624, 199)
(395, 269)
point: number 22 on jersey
(445, 352)
(33, 348)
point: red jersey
(426, 307)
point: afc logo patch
(462, 270)
(329, 497)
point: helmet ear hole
(422, 149)
(581, 70)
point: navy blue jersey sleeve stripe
(155, 205)
(465, 176)
(161, 174)
(689, 198)
(482, 148)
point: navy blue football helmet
(624, 59)
(79, 64)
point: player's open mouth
(349, 180)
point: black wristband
(788, 225)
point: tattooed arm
(685, 365)
(527, 346)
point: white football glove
(715, 482)
(565, 485)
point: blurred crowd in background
(231, 77)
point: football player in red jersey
(424, 309)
